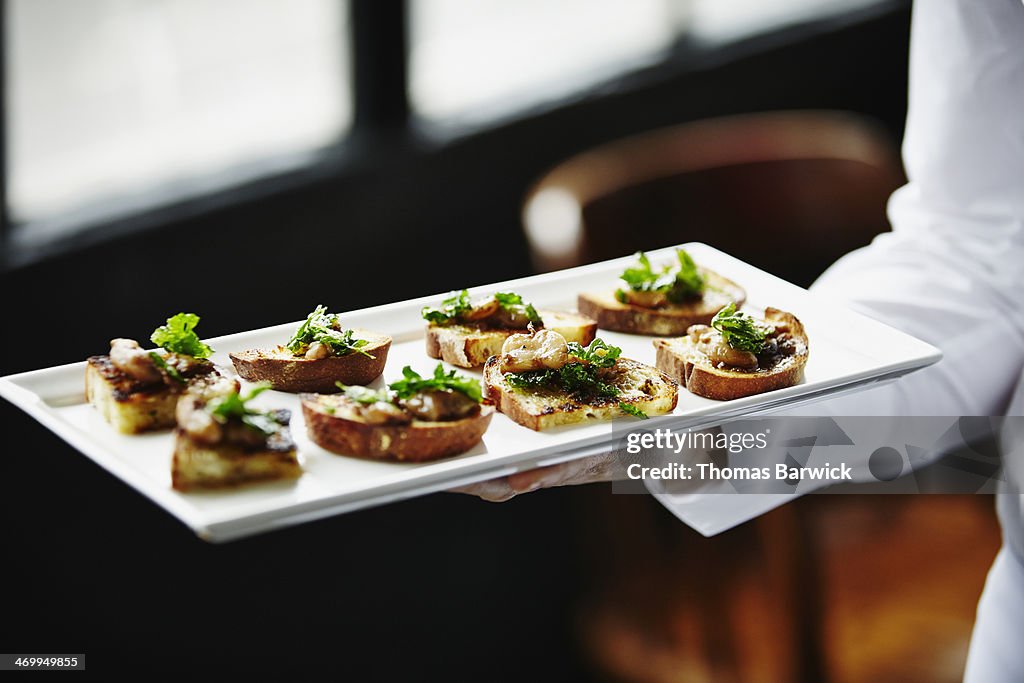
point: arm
(951, 271)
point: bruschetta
(415, 419)
(661, 301)
(737, 355)
(136, 389)
(541, 380)
(320, 354)
(466, 333)
(222, 441)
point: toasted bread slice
(680, 358)
(612, 314)
(129, 405)
(418, 441)
(469, 346)
(287, 372)
(198, 465)
(641, 386)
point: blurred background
(246, 159)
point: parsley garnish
(514, 304)
(577, 379)
(161, 364)
(414, 383)
(178, 336)
(631, 409)
(596, 353)
(641, 277)
(321, 326)
(739, 330)
(459, 303)
(679, 282)
(364, 395)
(233, 406)
(450, 309)
(441, 381)
(689, 282)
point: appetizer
(415, 419)
(466, 333)
(738, 355)
(136, 389)
(319, 354)
(222, 441)
(540, 380)
(663, 301)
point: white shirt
(952, 270)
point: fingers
(542, 477)
(582, 471)
(495, 490)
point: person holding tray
(950, 273)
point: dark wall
(444, 586)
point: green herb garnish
(577, 379)
(631, 409)
(178, 336)
(459, 303)
(580, 379)
(689, 282)
(679, 282)
(321, 326)
(233, 406)
(514, 304)
(596, 353)
(450, 309)
(641, 277)
(161, 364)
(364, 395)
(414, 383)
(739, 330)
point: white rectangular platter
(848, 352)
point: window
(119, 107)
(473, 61)
(476, 62)
(120, 100)
(723, 20)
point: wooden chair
(788, 192)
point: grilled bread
(640, 386)
(782, 366)
(289, 372)
(214, 450)
(200, 466)
(469, 346)
(335, 427)
(133, 405)
(672, 319)
(137, 389)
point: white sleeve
(952, 270)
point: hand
(583, 471)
